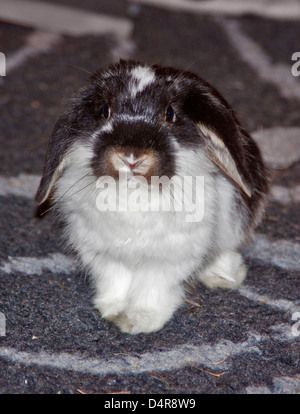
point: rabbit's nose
(132, 164)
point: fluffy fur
(139, 260)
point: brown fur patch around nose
(132, 161)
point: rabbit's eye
(170, 114)
(106, 111)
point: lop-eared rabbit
(157, 133)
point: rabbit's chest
(157, 236)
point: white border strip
(216, 357)
(285, 195)
(256, 58)
(36, 43)
(280, 252)
(23, 185)
(63, 20)
(280, 10)
(56, 263)
(278, 304)
(280, 385)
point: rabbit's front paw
(139, 320)
(227, 271)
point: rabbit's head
(155, 121)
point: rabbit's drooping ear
(221, 156)
(56, 158)
(223, 137)
(78, 120)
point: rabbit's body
(139, 260)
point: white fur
(142, 77)
(227, 271)
(107, 127)
(139, 260)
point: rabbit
(132, 123)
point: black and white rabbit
(145, 121)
